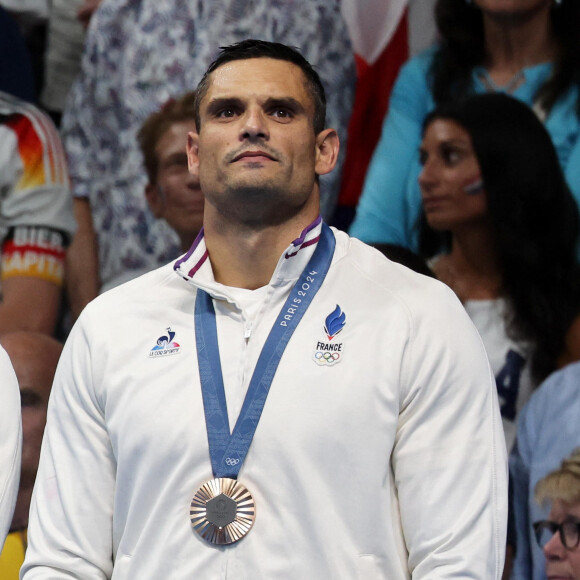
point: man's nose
(255, 124)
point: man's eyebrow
(286, 103)
(219, 103)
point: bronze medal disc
(222, 511)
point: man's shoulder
(369, 272)
(374, 265)
(154, 286)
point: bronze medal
(222, 511)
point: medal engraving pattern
(222, 501)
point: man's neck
(246, 257)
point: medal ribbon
(227, 452)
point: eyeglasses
(569, 531)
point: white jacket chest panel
(311, 432)
(157, 391)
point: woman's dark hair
(534, 219)
(462, 48)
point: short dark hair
(154, 127)
(251, 48)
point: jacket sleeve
(449, 459)
(390, 201)
(70, 528)
(10, 443)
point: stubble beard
(258, 206)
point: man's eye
(226, 113)
(281, 113)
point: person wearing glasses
(559, 535)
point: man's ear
(154, 200)
(327, 147)
(193, 153)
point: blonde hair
(562, 484)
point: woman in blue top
(526, 48)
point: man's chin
(255, 186)
(259, 206)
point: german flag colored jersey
(36, 216)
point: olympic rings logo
(326, 358)
(232, 461)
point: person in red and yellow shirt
(36, 218)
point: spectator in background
(529, 49)
(34, 358)
(16, 75)
(31, 16)
(548, 431)
(10, 443)
(36, 219)
(503, 228)
(559, 535)
(67, 22)
(138, 53)
(173, 193)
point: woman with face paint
(528, 49)
(501, 229)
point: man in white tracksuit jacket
(379, 453)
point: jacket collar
(195, 266)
